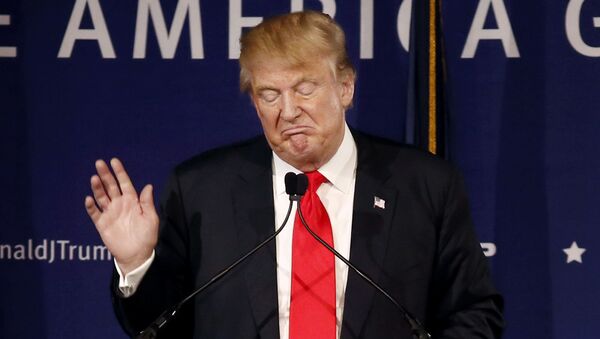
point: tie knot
(315, 179)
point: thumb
(147, 200)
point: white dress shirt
(337, 195)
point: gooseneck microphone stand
(417, 328)
(295, 190)
(295, 187)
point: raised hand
(128, 225)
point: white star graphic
(574, 253)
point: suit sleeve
(463, 301)
(168, 278)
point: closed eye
(306, 88)
(269, 95)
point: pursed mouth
(295, 130)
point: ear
(347, 89)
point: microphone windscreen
(291, 183)
(302, 184)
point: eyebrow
(301, 81)
(296, 84)
(310, 80)
(306, 79)
(265, 88)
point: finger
(122, 176)
(92, 210)
(99, 192)
(108, 180)
(147, 200)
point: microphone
(295, 185)
(295, 188)
(417, 328)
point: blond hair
(297, 38)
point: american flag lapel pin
(378, 203)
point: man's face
(301, 110)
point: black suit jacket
(421, 248)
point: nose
(289, 107)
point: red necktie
(312, 303)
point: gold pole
(432, 79)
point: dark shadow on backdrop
(21, 286)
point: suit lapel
(254, 217)
(370, 228)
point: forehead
(278, 72)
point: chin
(304, 150)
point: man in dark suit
(399, 214)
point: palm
(125, 229)
(128, 225)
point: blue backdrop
(154, 82)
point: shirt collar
(340, 170)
